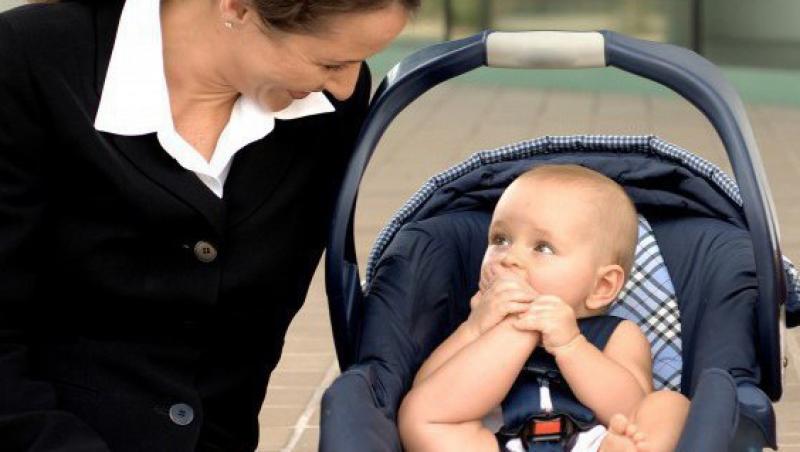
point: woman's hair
(305, 15)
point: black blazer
(138, 311)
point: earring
(228, 24)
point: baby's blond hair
(615, 210)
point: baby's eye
(544, 248)
(499, 239)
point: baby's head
(569, 231)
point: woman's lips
(299, 94)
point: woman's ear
(608, 283)
(233, 10)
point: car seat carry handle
(677, 68)
(408, 80)
(702, 84)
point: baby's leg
(656, 425)
(461, 437)
(660, 417)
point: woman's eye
(544, 248)
(333, 67)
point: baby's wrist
(565, 349)
(471, 329)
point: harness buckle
(551, 428)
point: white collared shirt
(135, 100)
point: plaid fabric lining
(648, 299)
(650, 296)
(792, 281)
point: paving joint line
(793, 349)
(311, 407)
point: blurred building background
(729, 32)
(763, 33)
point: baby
(561, 245)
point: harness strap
(545, 447)
(545, 401)
(540, 409)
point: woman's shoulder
(46, 18)
(57, 44)
(46, 28)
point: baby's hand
(555, 319)
(506, 294)
(489, 273)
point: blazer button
(204, 251)
(181, 414)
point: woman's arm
(611, 381)
(30, 418)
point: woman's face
(276, 67)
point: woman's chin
(275, 101)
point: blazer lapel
(144, 151)
(106, 23)
(256, 171)
(146, 154)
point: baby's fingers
(512, 295)
(527, 322)
(549, 300)
(488, 275)
(484, 282)
(507, 283)
(475, 301)
(514, 307)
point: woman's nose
(343, 83)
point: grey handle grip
(545, 50)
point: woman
(167, 172)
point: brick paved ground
(446, 126)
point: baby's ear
(608, 283)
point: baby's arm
(443, 411)
(461, 337)
(470, 373)
(611, 381)
(505, 295)
(477, 377)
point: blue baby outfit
(523, 403)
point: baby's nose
(510, 259)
